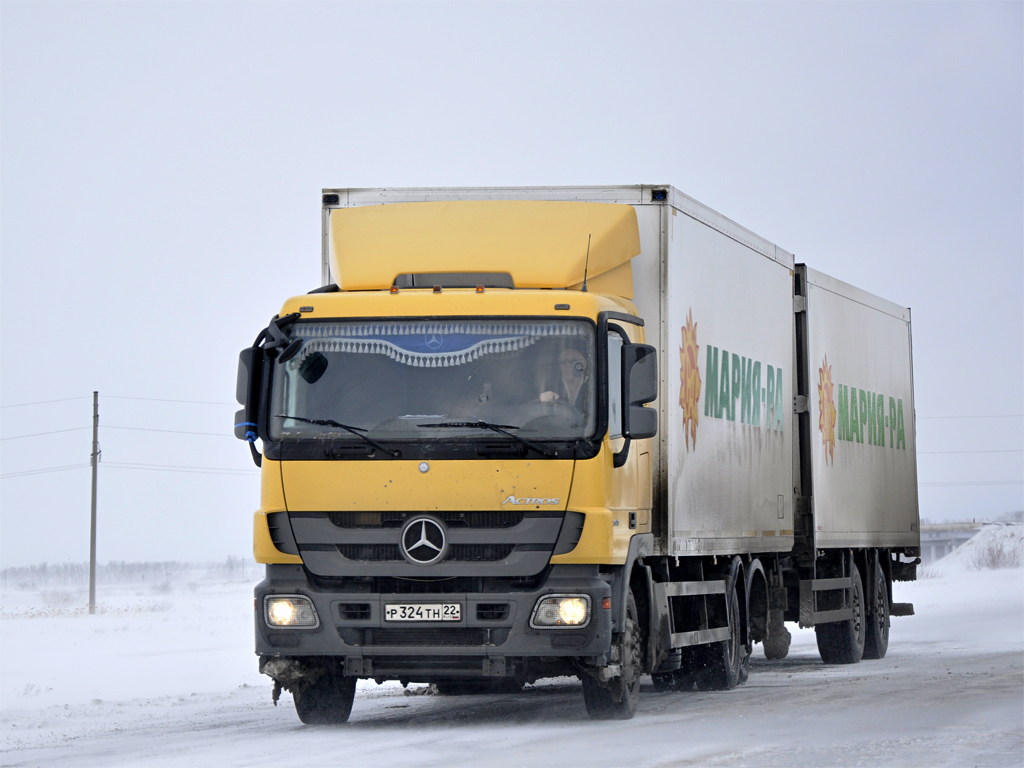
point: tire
(776, 645)
(726, 663)
(327, 700)
(876, 641)
(842, 642)
(617, 699)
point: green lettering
(842, 412)
(901, 437)
(872, 431)
(862, 404)
(723, 391)
(737, 374)
(769, 405)
(892, 420)
(880, 418)
(745, 390)
(854, 418)
(780, 411)
(755, 400)
(711, 383)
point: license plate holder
(417, 612)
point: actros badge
(424, 541)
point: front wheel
(327, 700)
(617, 698)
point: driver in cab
(572, 364)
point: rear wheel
(724, 664)
(617, 698)
(876, 642)
(842, 642)
(327, 700)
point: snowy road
(950, 692)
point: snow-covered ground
(164, 675)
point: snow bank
(995, 546)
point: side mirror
(247, 393)
(639, 386)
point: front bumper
(493, 637)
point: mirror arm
(257, 459)
(619, 459)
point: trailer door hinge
(800, 404)
(799, 304)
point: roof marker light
(394, 289)
(479, 289)
(437, 289)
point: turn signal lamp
(561, 612)
(290, 611)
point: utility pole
(92, 527)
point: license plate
(423, 612)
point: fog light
(561, 611)
(294, 611)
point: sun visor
(541, 244)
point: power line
(134, 429)
(993, 416)
(43, 471)
(974, 482)
(163, 400)
(39, 434)
(174, 431)
(936, 453)
(176, 468)
(45, 402)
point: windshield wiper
(353, 430)
(499, 428)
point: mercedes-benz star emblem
(434, 341)
(424, 541)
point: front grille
(479, 553)
(460, 553)
(497, 519)
(453, 636)
(354, 611)
(492, 611)
(370, 552)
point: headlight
(562, 611)
(293, 611)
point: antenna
(586, 266)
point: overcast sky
(161, 167)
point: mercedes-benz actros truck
(601, 432)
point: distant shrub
(994, 555)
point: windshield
(413, 380)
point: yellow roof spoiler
(540, 244)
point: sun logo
(689, 375)
(826, 410)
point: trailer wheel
(842, 642)
(876, 643)
(617, 699)
(724, 662)
(327, 700)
